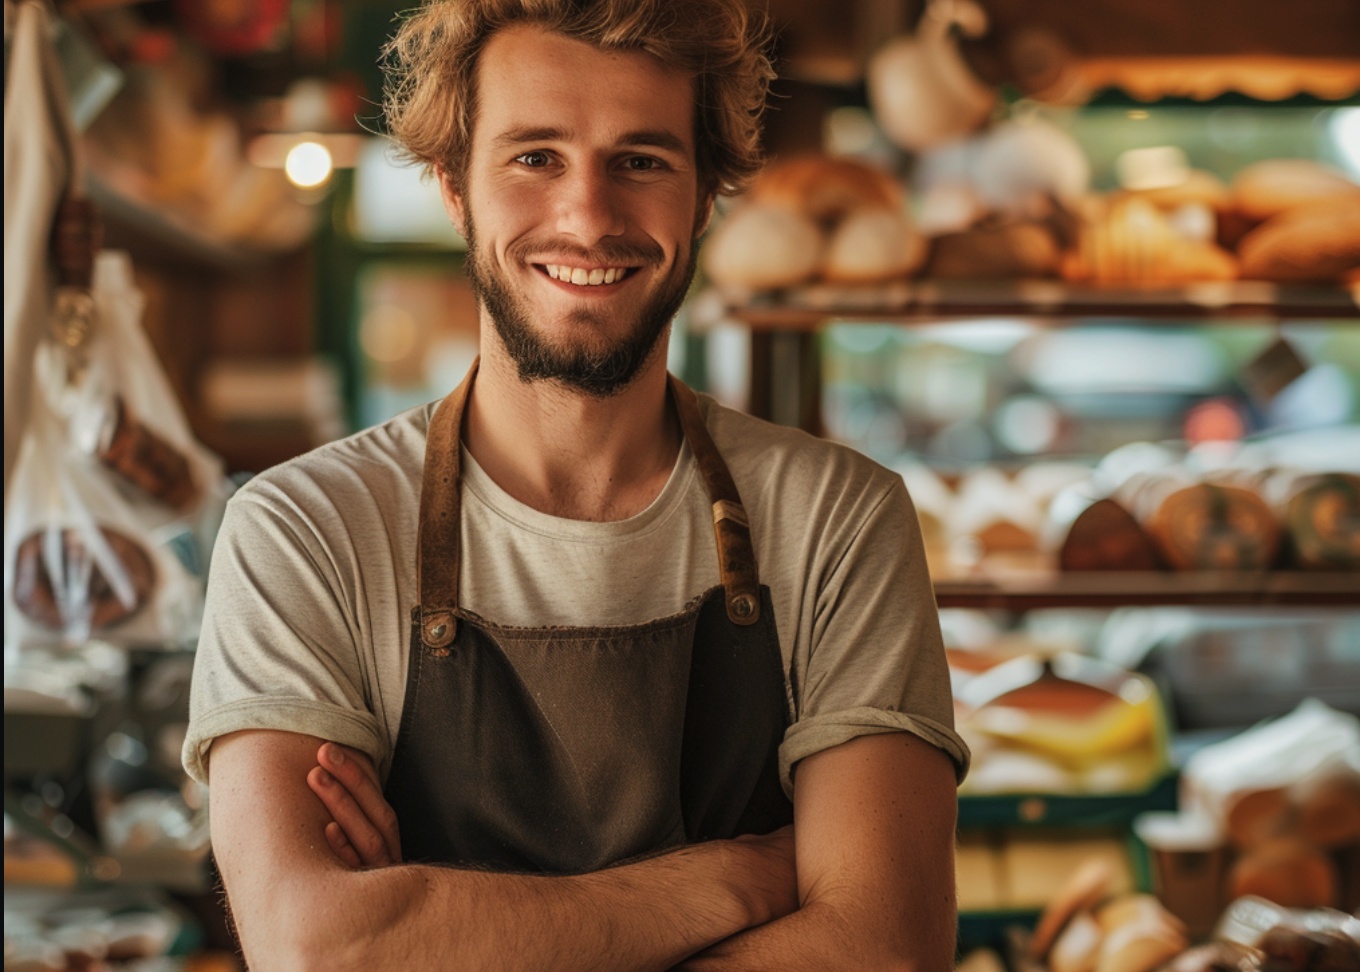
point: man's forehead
(548, 86)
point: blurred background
(1090, 285)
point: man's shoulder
(771, 459)
(379, 464)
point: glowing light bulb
(308, 165)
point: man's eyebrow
(646, 138)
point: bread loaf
(1105, 536)
(1288, 871)
(826, 189)
(1078, 947)
(1315, 243)
(1263, 189)
(1329, 810)
(763, 248)
(1139, 947)
(996, 251)
(1204, 526)
(1087, 885)
(873, 245)
(1254, 816)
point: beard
(601, 369)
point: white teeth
(585, 278)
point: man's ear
(454, 204)
(704, 216)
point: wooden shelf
(923, 301)
(1030, 589)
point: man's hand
(363, 827)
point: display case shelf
(1066, 810)
(1025, 590)
(923, 301)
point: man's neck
(568, 454)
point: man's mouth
(583, 277)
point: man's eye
(642, 163)
(534, 160)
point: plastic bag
(113, 504)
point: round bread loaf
(1263, 189)
(1322, 518)
(36, 595)
(999, 251)
(1287, 871)
(761, 247)
(873, 245)
(1139, 947)
(1329, 810)
(1317, 242)
(1254, 816)
(826, 189)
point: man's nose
(590, 205)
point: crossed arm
(873, 888)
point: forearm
(648, 915)
(822, 937)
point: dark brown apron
(566, 750)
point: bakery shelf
(1025, 590)
(923, 301)
(1051, 809)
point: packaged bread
(81, 587)
(1264, 189)
(763, 248)
(1312, 243)
(1203, 525)
(1321, 518)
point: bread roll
(1318, 242)
(763, 248)
(1329, 810)
(996, 251)
(873, 245)
(1287, 871)
(826, 189)
(1139, 947)
(1255, 816)
(1078, 947)
(1266, 188)
(1139, 909)
(1087, 885)
(1105, 536)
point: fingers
(365, 839)
(335, 836)
(357, 775)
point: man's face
(580, 205)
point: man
(589, 641)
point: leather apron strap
(438, 555)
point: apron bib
(566, 750)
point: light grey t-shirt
(307, 624)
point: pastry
(826, 189)
(873, 245)
(1318, 242)
(1263, 189)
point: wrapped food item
(59, 579)
(1203, 526)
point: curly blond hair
(430, 99)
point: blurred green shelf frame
(1022, 809)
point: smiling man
(576, 669)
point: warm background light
(308, 165)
